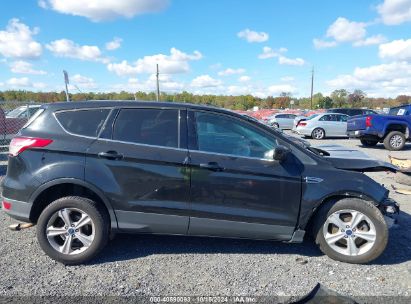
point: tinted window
(342, 118)
(156, 127)
(83, 122)
(354, 112)
(226, 135)
(326, 118)
(281, 116)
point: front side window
(83, 122)
(227, 135)
(158, 127)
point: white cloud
(344, 30)
(83, 82)
(290, 61)
(70, 49)
(377, 39)
(270, 53)
(114, 44)
(24, 67)
(17, 41)
(280, 88)
(395, 12)
(24, 82)
(205, 81)
(287, 78)
(244, 78)
(322, 44)
(101, 10)
(149, 85)
(396, 50)
(176, 62)
(252, 36)
(230, 71)
(384, 80)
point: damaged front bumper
(390, 209)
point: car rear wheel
(318, 133)
(394, 141)
(72, 230)
(276, 125)
(369, 142)
(351, 230)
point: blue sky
(230, 47)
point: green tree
(339, 97)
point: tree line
(338, 98)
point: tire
(394, 141)
(318, 133)
(369, 142)
(276, 125)
(54, 219)
(370, 249)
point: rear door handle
(110, 155)
(213, 166)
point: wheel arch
(65, 187)
(307, 223)
(397, 126)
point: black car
(84, 171)
(351, 111)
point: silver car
(319, 126)
(281, 120)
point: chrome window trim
(140, 144)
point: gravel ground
(166, 266)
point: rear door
(341, 124)
(139, 160)
(237, 189)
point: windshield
(312, 116)
(398, 111)
(16, 112)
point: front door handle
(113, 155)
(213, 166)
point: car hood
(352, 159)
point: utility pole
(312, 88)
(158, 85)
(66, 81)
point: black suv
(351, 111)
(83, 171)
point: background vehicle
(83, 170)
(281, 120)
(392, 129)
(351, 111)
(323, 125)
(12, 121)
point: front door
(140, 164)
(237, 189)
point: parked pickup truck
(393, 129)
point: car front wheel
(351, 230)
(72, 230)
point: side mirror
(281, 153)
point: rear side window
(83, 122)
(157, 127)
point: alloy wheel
(396, 141)
(70, 231)
(349, 232)
(318, 134)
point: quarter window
(83, 122)
(226, 135)
(158, 127)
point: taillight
(368, 121)
(302, 124)
(19, 144)
(6, 205)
